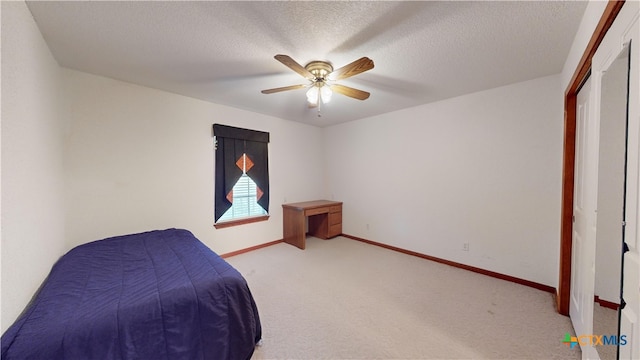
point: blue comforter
(154, 295)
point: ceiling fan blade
(284, 88)
(359, 66)
(293, 65)
(350, 92)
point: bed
(155, 295)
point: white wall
(483, 169)
(32, 150)
(139, 159)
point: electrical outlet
(465, 247)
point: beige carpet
(344, 299)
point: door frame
(568, 161)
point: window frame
(236, 222)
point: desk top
(311, 204)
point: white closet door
(624, 34)
(583, 243)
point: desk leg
(293, 227)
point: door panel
(577, 287)
(583, 254)
(629, 347)
(630, 280)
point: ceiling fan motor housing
(319, 69)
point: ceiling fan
(321, 77)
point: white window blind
(244, 201)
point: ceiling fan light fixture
(312, 95)
(319, 91)
(325, 93)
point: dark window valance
(239, 133)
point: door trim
(568, 161)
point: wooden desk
(325, 220)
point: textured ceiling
(222, 51)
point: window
(241, 175)
(245, 201)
